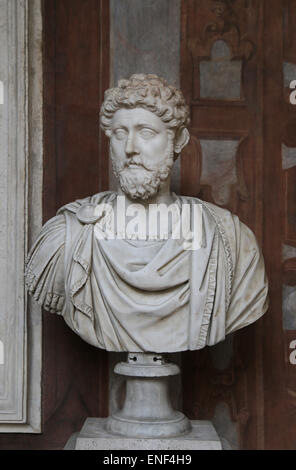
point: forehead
(135, 117)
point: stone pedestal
(147, 419)
(147, 411)
(93, 436)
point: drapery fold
(124, 295)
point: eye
(147, 133)
(120, 134)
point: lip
(134, 166)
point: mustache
(138, 162)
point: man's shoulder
(95, 199)
(221, 215)
(233, 232)
(232, 227)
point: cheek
(157, 147)
(116, 148)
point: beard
(143, 182)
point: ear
(181, 139)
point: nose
(130, 147)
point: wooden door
(236, 60)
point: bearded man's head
(140, 171)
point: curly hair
(149, 92)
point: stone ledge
(93, 436)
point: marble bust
(143, 294)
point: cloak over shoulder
(167, 299)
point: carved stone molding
(20, 190)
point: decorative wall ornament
(288, 252)
(218, 167)
(221, 169)
(289, 307)
(288, 157)
(289, 70)
(223, 24)
(289, 167)
(191, 162)
(220, 77)
(213, 32)
(289, 270)
(222, 21)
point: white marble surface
(20, 130)
(151, 294)
(147, 411)
(93, 436)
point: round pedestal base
(147, 411)
(171, 427)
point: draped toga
(130, 295)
